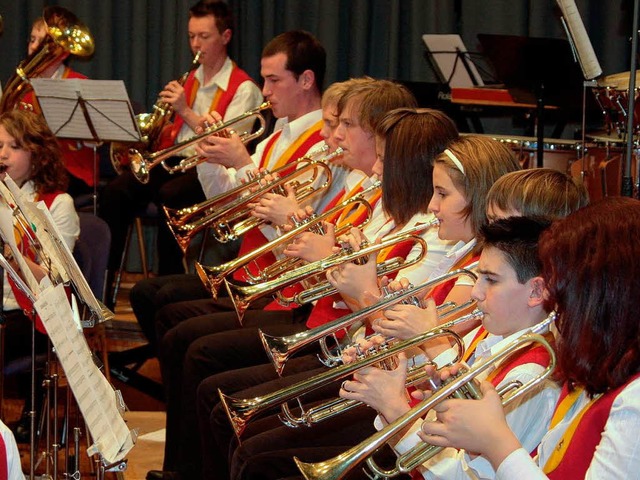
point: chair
(149, 213)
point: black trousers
(225, 346)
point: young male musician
(219, 85)
(293, 67)
(511, 294)
(78, 159)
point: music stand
(538, 71)
(91, 110)
(450, 61)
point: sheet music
(586, 55)
(63, 262)
(96, 398)
(107, 105)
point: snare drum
(558, 153)
(612, 96)
(601, 171)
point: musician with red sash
(594, 287)
(78, 159)
(510, 293)
(30, 155)
(219, 85)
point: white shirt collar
(220, 79)
(297, 127)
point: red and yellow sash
(219, 103)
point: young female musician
(593, 433)
(30, 155)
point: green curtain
(144, 42)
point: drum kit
(599, 163)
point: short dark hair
(220, 11)
(590, 264)
(303, 51)
(413, 138)
(517, 238)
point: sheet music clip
(90, 110)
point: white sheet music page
(95, 397)
(586, 55)
(107, 107)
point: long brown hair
(590, 264)
(32, 134)
(413, 138)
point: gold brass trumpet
(242, 296)
(229, 213)
(141, 165)
(461, 386)
(280, 349)
(213, 277)
(240, 411)
(150, 125)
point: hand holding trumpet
(351, 279)
(173, 94)
(477, 426)
(382, 390)
(223, 148)
(311, 246)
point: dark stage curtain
(144, 42)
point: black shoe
(163, 475)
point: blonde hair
(373, 99)
(484, 161)
(335, 91)
(540, 192)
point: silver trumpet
(280, 349)
(240, 410)
(462, 386)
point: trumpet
(462, 386)
(229, 213)
(150, 125)
(242, 296)
(141, 165)
(280, 349)
(240, 411)
(213, 277)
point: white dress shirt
(617, 456)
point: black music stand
(91, 110)
(536, 71)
